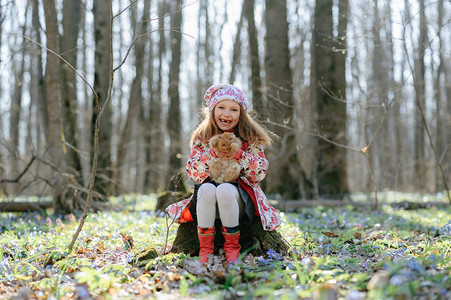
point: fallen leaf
(331, 234)
(173, 276)
(128, 241)
(143, 278)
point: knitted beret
(224, 91)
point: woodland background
(359, 93)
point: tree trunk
(37, 81)
(279, 88)
(402, 144)
(203, 61)
(254, 58)
(440, 113)
(252, 238)
(2, 161)
(225, 20)
(53, 95)
(146, 121)
(379, 100)
(136, 98)
(447, 117)
(419, 134)
(86, 100)
(16, 110)
(102, 61)
(392, 96)
(237, 47)
(329, 94)
(69, 48)
(340, 90)
(156, 173)
(174, 117)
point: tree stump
(176, 190)
(166, 198)
(253, 239)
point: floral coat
(254, 167)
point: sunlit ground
(345, 252)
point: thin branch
(60, 57)
(139, 37)
(122, 11)
(426, 126)
(21, 174)
(168, 226)
(171, 13)
(95, 150)
(379, 128)
(147, 33)
(333, 142)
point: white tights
(226, 198)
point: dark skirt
(249, 211)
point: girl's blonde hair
(248, 129)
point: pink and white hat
(224, 91)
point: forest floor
(341, 253)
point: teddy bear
(224, 170)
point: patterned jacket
(254, 167)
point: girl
(234, 203)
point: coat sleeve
(254, 164)
(198, 162)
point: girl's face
(226, 114)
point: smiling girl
(234, 203)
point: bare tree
(442, 114)
(2, 161)
(174, 117)
(53, 96)
(392, 95)
(136, 98)
(146, 121)
(237, 46)
(279, 87)
(378, 97)
(37, 81)
(69, 49)
(102, 61)
(419, 134)
(156, 173)
(203, 55)
(328, 92)
(254, 58)
(16, 106)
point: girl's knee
(206, 190)
(226, 193)
(226, 189)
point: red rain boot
(206, 238)
(231, 245)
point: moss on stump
(142, 257)
(253, 239)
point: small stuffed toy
(224, 170)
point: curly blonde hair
(248, 129)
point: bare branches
(21, 173)
(426, 126)
(61, 58)
(100, 112)
(126, 8)
(138, 38)
(171, 13)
